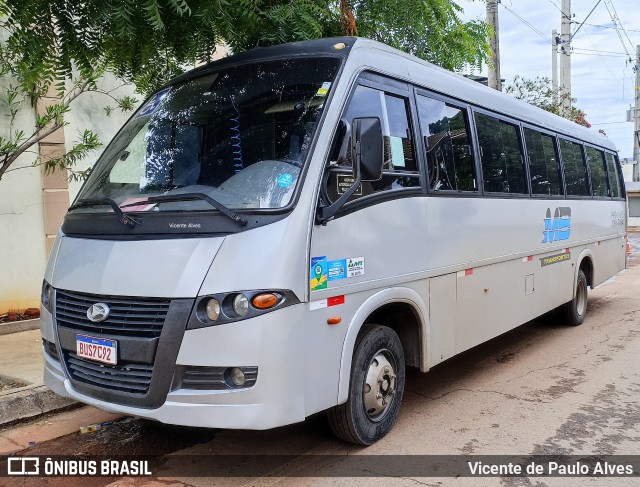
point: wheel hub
(380, 386)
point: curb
(29, 403)
(18, 326)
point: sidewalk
(23, 394)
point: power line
(602, 26)
(596, 50)
(585, 19)
(615, 20)
(544, 36)
(621, 26)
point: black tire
(369, 413)
(575, 310)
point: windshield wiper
(198, 196)
(124, 219)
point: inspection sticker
(285, 180)
(355, 266)
(318, 274)
(324, 89)
(337, 269)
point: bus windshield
(239, 136)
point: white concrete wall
(23, 250)
(22, 241)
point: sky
(602, 76)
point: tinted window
(501, 156)
(446, 138)
(614, 178)
(575, 174)
(400, 167)
(595, 159)
(543, 163)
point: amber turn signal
(264, 301)
(334, 320)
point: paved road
(540, 389)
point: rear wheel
(375, 388)
(576, 309)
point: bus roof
(379, 57)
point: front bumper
(269, 342)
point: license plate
(98, 349)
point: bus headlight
(213, 309)
(223, 308)
(240, 305)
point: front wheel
(576, 309)
(375, 389)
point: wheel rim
(380, 385)
(581, 298)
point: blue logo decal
(285, 180)
(153, 103)
(558, 227)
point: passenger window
(575, 174)
(501, 156)
(595, 160)
(543, 163)
(445, 132)
(614, 177)
(400, 166)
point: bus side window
(575, 173)
(400, 167)
(614, 177)
(596, 162)
(543, 163)
(501, 156)
(445, 132)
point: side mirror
(367, 156)
(367, 148)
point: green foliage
(539, 92)
(148, 42)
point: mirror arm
(326, 213)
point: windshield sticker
(558, 228)
(397, 152)
(355, 266)
(336, 269)
(318, 275)
(285, 180)
(153, 103)
(324, 89)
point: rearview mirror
(367, 148)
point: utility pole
(636, 118)
(494, 43)
(565, 57)
(554, 66)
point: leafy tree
(147, 42)
(539, 92)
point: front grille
(142, 317)
(133, 378)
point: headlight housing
(218, 309)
